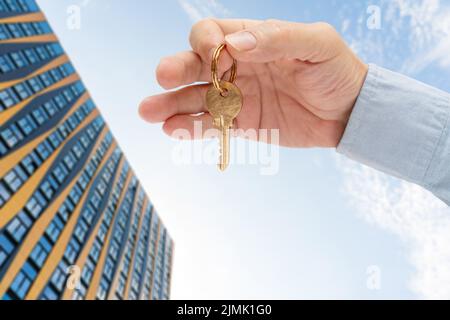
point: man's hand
(299, 78)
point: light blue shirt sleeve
(401, 126)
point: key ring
(214, 69)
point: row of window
(17, 132)
(18, 6)
(129, 247)
(118, 238)
(23, 280)
(16, 177)
(23, 29)
(19, 59)
(24, 90)
(148, 283)
(108, 215)
(140, 255)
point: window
(35, 84)
(81, 231)
(55, 228)
(55, 139)
(60, 102)
(3, 149)
(46, 79)
(47, 190)
(71, 251)
(59, 276)
(102, 289)
(43, 54)
(15, 30)
(9, 137)
(27, 124)
(21, 285)
(19, 59)
(13, 181)
(40, 252)
(31, 55)
(49, 294)
(33, 207)
(19, 226)
(29, 165)
(6, 247)
(9, 98)
(60, 173)
(51, 108)
(22, 91)
(88, 270)
(5, 64)
(4, 194)
(43, 150)
(39, 115)
(4, 34)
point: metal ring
(214, 69)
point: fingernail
(242, 41)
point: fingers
(190, 127)
(159, 108)
(273, 40)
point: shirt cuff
(399, 126)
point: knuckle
(326, 28)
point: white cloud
(421, 28)
(200, 9)
(413, 214)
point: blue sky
(312, 230)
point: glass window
(34, 207)
(43, 54)
(56, 74)
(69, 160)
(27, 29)
(19, 59)
(35, 84)
(21, 285)
(60, 102)
(55, 228)
(22, 90)
(59, 277)
(29, 165)
(49, 294)
(44, 150)
(47, 190)
(15, 30)
(39, 254)
(39, 115)
(27, 124)
(4, 194)
(13, 181)
(9, 98)
(19, 226)
(5, 64)
(51, 108)
(31, 55)
(71, 251)
(46, 79)
(4, 33)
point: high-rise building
(74, 221)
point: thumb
(273, 40)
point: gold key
(224, 103)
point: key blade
(224, 144)
(224, 150)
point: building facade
(74, 221)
